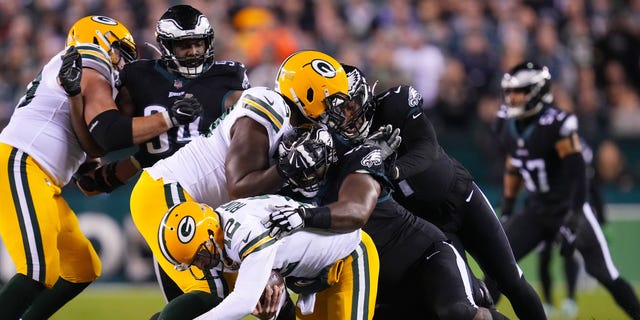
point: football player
(543, 154)
(335, 274)
(41, 148)
(435, 186)
(421, 274)
(233, 160)
(186, 75)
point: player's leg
(447, 285)
(79, 266)
(354, 282)
(150, 200)
(591, 243)
(544, 262)
(29, 230)
(485, 239)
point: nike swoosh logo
(270, 101)
(246, 238)
(469, 197)
(415, 116)
(398, 90)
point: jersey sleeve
(94, 57)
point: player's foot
(549, 309)
(569, 309)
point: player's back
(154, 89)
(199, 166)
(302, 254)
(40, 124)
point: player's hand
(284, 220)
(99, 179)
(387, 139)
(269, 304)
(568, 232)
(185, 110)
(70, 72)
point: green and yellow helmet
(315, 82)
(108, 33)
(187, 230)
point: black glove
(506, 208)
(70, 72)
(99, 179)
(185, 110)
(387, 139)
(568, 231)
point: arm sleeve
(253, 275)
(421, 145)
(574, 166)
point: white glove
(386, 139)
(284, 220)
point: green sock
(16, 296)
(189, 305)
(50, 301)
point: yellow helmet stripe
(264, 110)
(258, 243)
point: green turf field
(125, 302)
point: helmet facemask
(532, 81)
(184, 25)
(353, 119)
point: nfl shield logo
(177, 83)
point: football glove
(506, 208)
(387, 139)
(70, 72)
(99, 179)
(185, 110)
(284, 220)
(568, 231)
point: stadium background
(454, 52)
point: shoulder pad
(265, 103)
(406, 95)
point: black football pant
(541, 223)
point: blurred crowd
(453, 52)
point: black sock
(16, 296)
(50, 301)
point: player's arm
(253, 275)
(512, 184)
(569, 150)
(421, 143)
(247, 165)
(357, 198)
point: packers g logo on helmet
(185, 230)
(313, 81)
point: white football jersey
(41, 125)
(302, 254)
(199, 165)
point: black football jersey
(427, 172)
(532, 147)
(154, 89)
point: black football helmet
(356, 128)
(531, 79)
(183, 22)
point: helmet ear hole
(310, 94)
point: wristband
(319, 217)
(167, 119)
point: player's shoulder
(94, 57)
(227, 67)
(264, 100)
(400, 95)
(565, 122)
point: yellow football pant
(150, 200)
(354, 286)
(38, 227)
